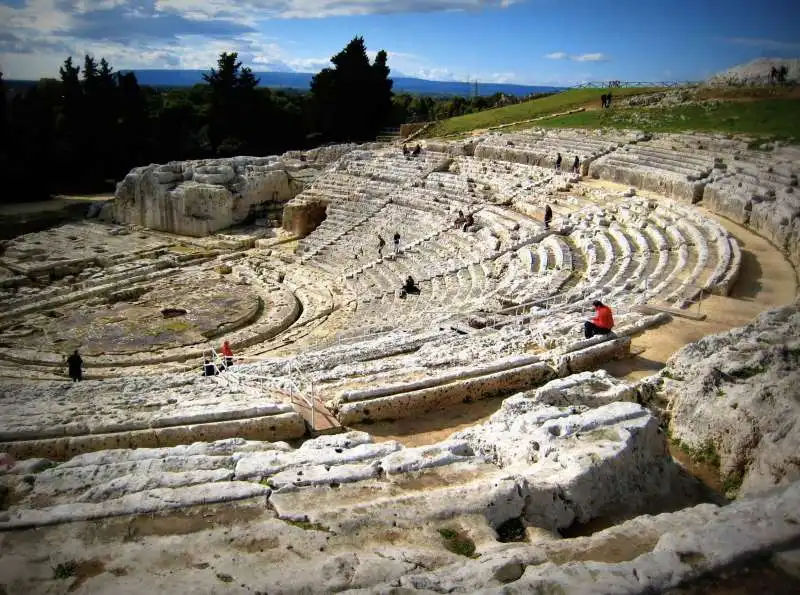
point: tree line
(83, 131)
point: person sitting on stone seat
(227, 354)
(576, 165)
(468, 222)
(75, 366)
(460, 219)
(417, 150)
(209, 369)
(410, 285)
(601, 324)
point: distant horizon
(186, 77)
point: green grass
(457, 542)
(307, 526)
(768, 118)
(706, 453)
(525, 111)
(65, 569)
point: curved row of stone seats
(492, 377)
(134, 412)
(275, 310)
(680, 173)
(129, 272)
(540, 147)
(34, 303)
(317, 481)
(391, 165)
(342, 217)
(760, 191)
(500, 181)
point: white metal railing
(260, 373)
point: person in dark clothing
(601, 324)
(603, 98)
(209, 369)
(410, 285)
(468, 222)
(548, 216)
(396, 242)
(381, 244)
(459, 219)
(405, 150)
(558, 162)
(75, 366)
(417, 150)
(608, 100)
(576, 165)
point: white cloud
(767, 44)
(595, 57)
(37, 35)
(312, 9)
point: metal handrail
(293, 373)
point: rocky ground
(733, 400)
(512, 505)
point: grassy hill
(756, 111)
(560, 102)
(774, 118)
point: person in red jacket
(227, 354)
(601, 324)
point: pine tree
(353, 99)
(233, 101)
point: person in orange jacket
(601, 324)
(227, 354)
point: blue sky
(552, 42)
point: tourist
(381, 244)
(75, 366)
(603, 100)
(468, 223)
(576, 165)
(601, 324)
(227, 354)
(410, 285)
(548, 216)
(608, 99)
(558, 162)
(459, 219)
(209, 369)
(417, 151)
(396, 242)
(405, 150)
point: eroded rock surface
(734, 397)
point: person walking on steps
(601, 324)
(381, 244)
(558, 163)
(548, 216)
(75, 366)
(227, 355)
